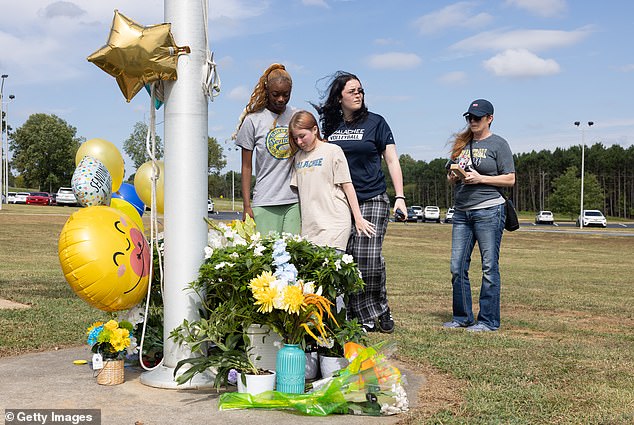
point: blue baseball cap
(479, 108)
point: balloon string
(211, 85)
(150, 146)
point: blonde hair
(460, 142)
(259, 96)
(301, 120)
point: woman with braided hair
(263, 131)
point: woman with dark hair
(366, 139)
(263, 132)
(485, 166)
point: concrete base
(163, 377)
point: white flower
(208, 252)
(347, 258)
(319, 290)
(239, 240)
(338, 265)
(258, 250)
(325, 263)
(223, 264)
(132, 348)
(135, 315)
(401, 403)
(309, 287)
(234, 255)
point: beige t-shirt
(318, 176)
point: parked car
(411, 215)
(65, 196)
(592, 218)
(11, 198)
(431, 213)
(38, 198)
(449, 215)
(210, 206)
(20, 197)
(545, 217)
(418, 210)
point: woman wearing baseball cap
(487, 161)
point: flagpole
(185, 191)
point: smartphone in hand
(399, 215)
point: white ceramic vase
(265, 343)
(329, 365)
(256, 384)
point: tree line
(44, 152)
(545, 180)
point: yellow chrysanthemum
(120, 339)
(111, 325)
(265, 297)
(293, 299)
(262, 281)
(94, 325)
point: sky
(544, 64)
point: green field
(564, 353)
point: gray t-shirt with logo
(491, 157)
(266, 134)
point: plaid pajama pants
(370, 303)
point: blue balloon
(128, 193)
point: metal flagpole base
(163, 377)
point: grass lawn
(564, 353)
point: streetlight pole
(583, 145)
(2, 125)
(6, 149)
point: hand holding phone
(399, 215)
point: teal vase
(290, 369)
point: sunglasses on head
(474, 118)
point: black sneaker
(386, 323)
(369, 327)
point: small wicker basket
(112, 373)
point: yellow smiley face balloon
(105, 258)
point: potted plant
(108, 341)
(331, 358)
(229, 358)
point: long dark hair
(330, 114)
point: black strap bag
(511, 223)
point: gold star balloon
(136, 55)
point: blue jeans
(484, 226)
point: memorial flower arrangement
(291, 305)
(110, 339)
(247, 278)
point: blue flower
(280, 255)
(279, 247)
(94, 334)
(232, 377)
(286, 272)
